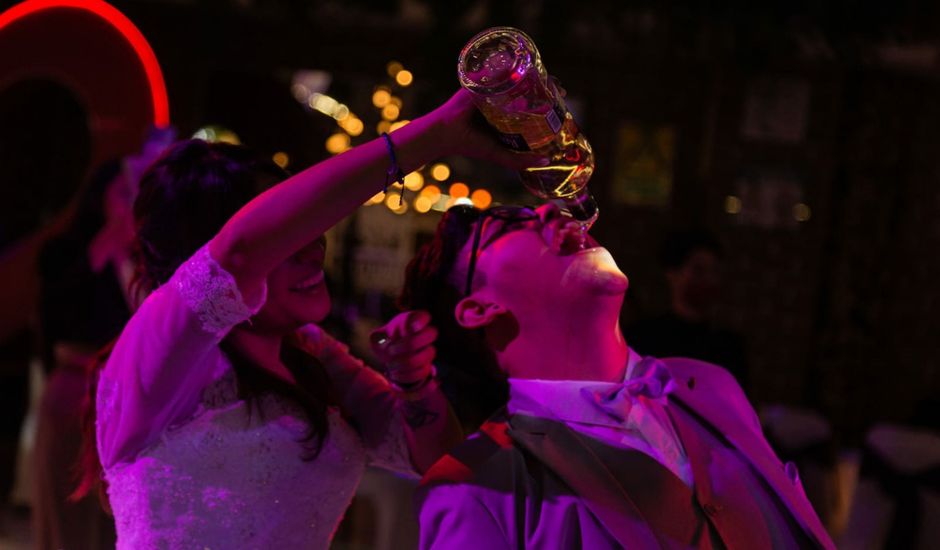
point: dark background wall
(838, 311)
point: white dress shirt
(647, 427)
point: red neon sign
(130, 32)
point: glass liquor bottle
(503, 70)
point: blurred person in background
(224, 418)
(84, 301)
(691, 260)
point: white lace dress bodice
(189, 466)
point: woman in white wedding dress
(224, 418)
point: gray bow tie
(651, 379)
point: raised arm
(288, 216)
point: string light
(733, 205)
(281, 159)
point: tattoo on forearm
(418, 414)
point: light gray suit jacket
(527, 482)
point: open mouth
(571, 238)
(309, 283)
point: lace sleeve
(212, 294)
(166, 356)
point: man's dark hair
(470, 376)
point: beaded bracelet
(394, 172)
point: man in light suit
(596, 447)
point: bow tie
(651, 379)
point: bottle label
(530, 131)
(555, 117)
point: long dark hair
(185, 198)
(470, 376)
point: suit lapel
(755, 450)
(565, 454)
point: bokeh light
(215, 133)
(440, 172)
(733, 205)
(381, 97)
(432, 192)
(377, 198)
(404, 78)
(281, 159)
(390, 112)
(481, 198)
(352, 125)
(802, 212)
(414, 181)
(423, 204)
(396, 204)
(393, 68)
(396, 125)
(458, 190)
(337, 143)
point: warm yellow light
(390, 112)
(432, 192)
(383, 127)
(281, 159)
(423, 204)
(377, 198)
(481, 198)
(414, 181)
(462, 200)
(732, 204)
(399, 124)
(393, 68)
(353, 125)
(396, 204)
(341, 112)
(802, 212)
(396, 101)
(404, 78)
(381, 97)
(440, 172)
(337, 143)
(323, 103)
(458, 190)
